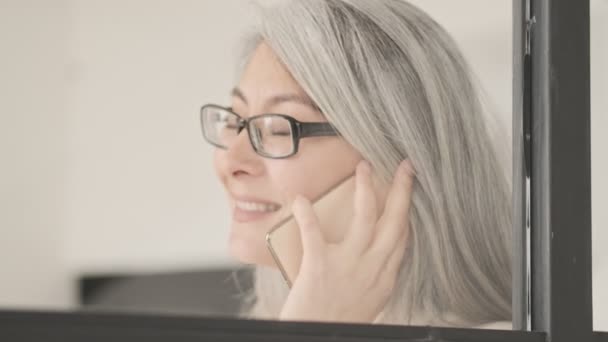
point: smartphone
(334, 209)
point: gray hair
(396, 86)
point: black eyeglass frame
(298, 130)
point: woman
(389, 95)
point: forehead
(265, 74)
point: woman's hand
(351, 281)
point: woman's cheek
(291, 182)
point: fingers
(313, 243)
(394, 222)
(387, 275)
(394, 260)
(365, 215)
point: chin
(250, 250)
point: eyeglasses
(274, 136)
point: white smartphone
(334, 209)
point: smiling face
(261, 190)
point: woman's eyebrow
(280, 98)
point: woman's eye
(225, 123)
(282, 133)
(231, 125)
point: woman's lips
(247, 210)
(244, 216)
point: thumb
(313, 242)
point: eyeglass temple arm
(317, 129)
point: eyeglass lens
(271, 135)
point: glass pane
(599, 160)
(111, 198)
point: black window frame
(552, 284)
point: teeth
(252, 206)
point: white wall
(101, 134)
(33, 130)
(141, 192)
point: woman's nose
(241, 157)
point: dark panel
(561, 188)
(219, 292)
(50, 327)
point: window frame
(552, 280)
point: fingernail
(407, 167)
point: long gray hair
(396, 86)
